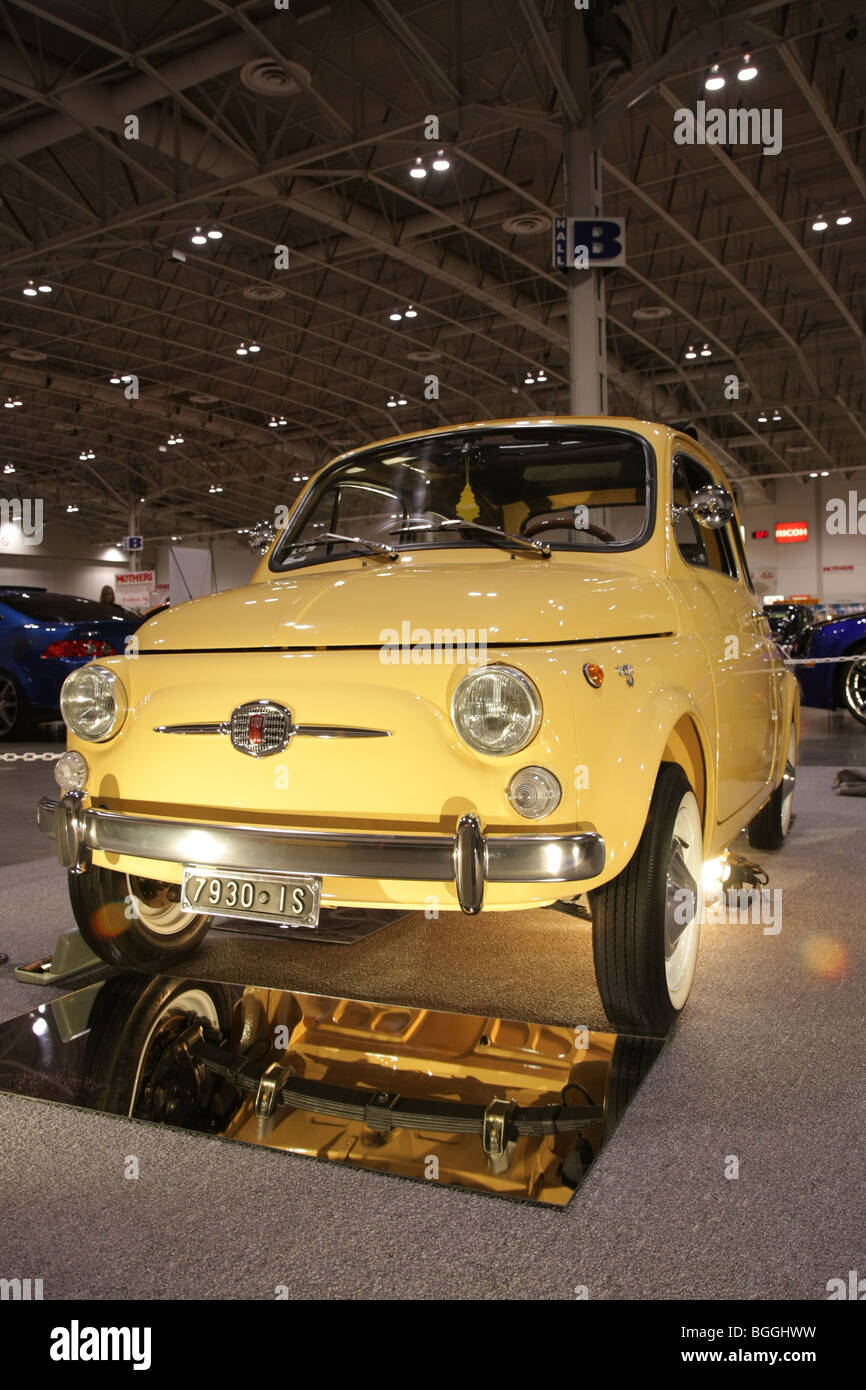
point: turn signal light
(79, 649)
(594, 674)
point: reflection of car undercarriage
(520, 1109)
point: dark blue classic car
(43, 637)
(837, 686)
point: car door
(728, 618)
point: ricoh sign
(791, 532)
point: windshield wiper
(375, 547)
(496, 536)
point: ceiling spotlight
(71, 507)
(176, 538)
(401, 400)
(529, 379)
(542, 375)
(813, 475)
(215, 234)
(776, 416)
(690, 353)
(441, 163)
(418, 171)
(706, 350)
(254, 347)
(242, 350)
(747, 71)
(9, 468)
(391, 403)
(844, 219)
(198, 237)
(174, 439)
(395, 316)
(162, 449)
(214, 487)
(825, 472)
(715, 79)
(115, 380)
(762, 418)
(411, 312)
(44, 289)
(272, 423)
(11, 402)
(820, 223)
(29, 289)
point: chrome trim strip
(468, 858)
(301, 730)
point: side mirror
(712, 507)
(260, 537)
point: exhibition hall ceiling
(340, 292)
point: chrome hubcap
(157, 905)
(855, 688)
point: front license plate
(290, 898)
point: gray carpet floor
(768, 1064)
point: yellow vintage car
(487, 667)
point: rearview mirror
(712, 507)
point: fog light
(71, 772)
(534, 792)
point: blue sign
(587, 243)
(133, 543)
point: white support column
(586, 308)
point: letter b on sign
(604, 239)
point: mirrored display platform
(514, 1109)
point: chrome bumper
(468, 859)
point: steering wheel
(555, 521)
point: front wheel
(133, 922)
(646, 922)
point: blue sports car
(839, 685)
(43, 637)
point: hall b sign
(588, 243)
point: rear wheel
(646, 922)
(15, 721)
(769, 828)
(853, 687)
(137, 923)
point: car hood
(496, 600)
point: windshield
(568, 487)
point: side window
(697, 544)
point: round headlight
(496, 710)
(93, 703)
(534, 792)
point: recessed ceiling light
(648, 313)
(526, 224)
